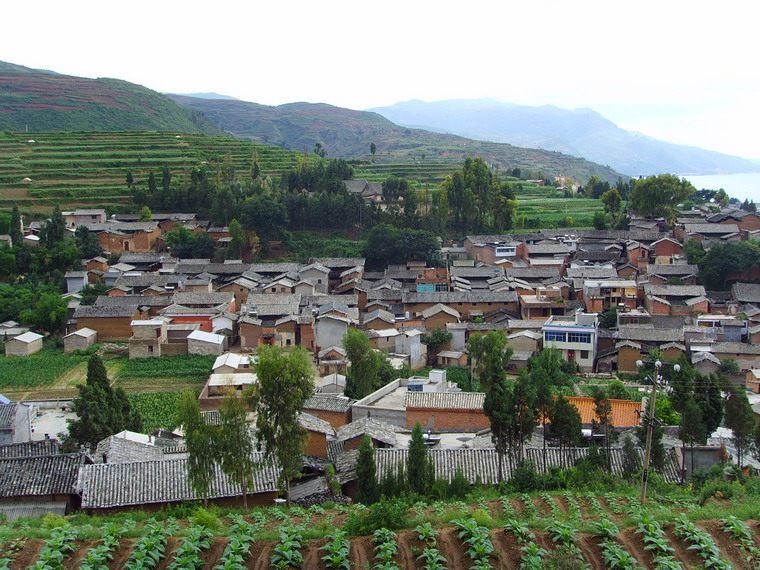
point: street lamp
(650, 421)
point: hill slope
(582, 132)
(345, 133)
(44, 101)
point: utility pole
(650, 420)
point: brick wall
(316, 444)
(447, 420)
(335, 419)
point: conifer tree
(741, 420)
(16, 233)
(565, 424)
(101, 410)
(366, 475)
(420, 471)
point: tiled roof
(482, 464)
(109, 485)
(448, 297)
(675, 290)
(746, 292)
(133, 300)
(672, 269)
(30, 448)
(336, 262)
(39, 475)
(99, 311)
(719, 229)
(313, 423)
(7, 415)
(625, 413)
(328, 403)
(445, 400)
(647, 333)
(376, 429)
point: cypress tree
(16, 234)
(366, 476)
(101, 410)
(419, 465)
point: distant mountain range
(37, 100)
(345, 133)
(582, 132)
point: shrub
(52, 520)
(459, 486)
(721, 490)
(208, 519)
(383, 514)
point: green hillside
(33, 100)
(88, 169)
(345, 133)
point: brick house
(112, 323)
(664, 274)
(675, 299)
(462, 302)
(318, 432)
(446, 411)
(336, 410)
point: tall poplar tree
(366, 473)
(235, 445)
(285, 382)
(199, 439)
(420, 471)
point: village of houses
(543, 289)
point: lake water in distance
(745, 186)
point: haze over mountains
(582, 132)
(575, 143)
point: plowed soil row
(507, 550)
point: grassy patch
(157, 409)
(40, 369)
(182, 366)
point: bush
(51, 520)
(209, 519)
(459, 486)
(722, 490)
(525, 478)
(383, 514)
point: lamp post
(650, 421)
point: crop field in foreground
(568, 530)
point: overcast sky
(684, 72)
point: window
(505, 251)
(584, 354)
(150, 348)
(554, 336)
(585, 338)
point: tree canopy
(657, 196)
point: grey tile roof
(133, 300)
(212, 299)
(7, 415)
(482, 464)
(445, 400)
(381, 314)
(109, 485)
(313, 423)
(709, 229)
(547, 249)
(122, 450)
(735, 348)
(39, 475)
(376, 429)
(99, 311)
(647, 333)
(449, 297)
(319, 300)
(485, 272)
(672, 269)
(30, 448)
(675, 290)
(338, 262)
(325, 403)
(532, 272)
(746, 292)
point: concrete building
(147, 338)
(200, 342)
(81, 339)
(24, 344)
(574, 336)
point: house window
(274, 289)
(150, 348)
(584, 354)
(505, 251)
(554, 336)
(585, 338)
(319, 281)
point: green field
(157, 409)
(38, 370)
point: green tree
(366, 476)
(600, 221)
(16, 231)
(130, 179)
(237, 243)
(434, 340)
(49, 313)
(372, 150)
(365, 364)
(87, 243)
(612, 203)
(419, 465)
(692, 429)
(631, 459)
(565, 425)
(285, 382)
(722, 198)
(658, 196)
(101, 411)
(145, 214)
(53, 230)
(200, 436)
(740, 419)
(603, 413)
(91, 292)
(387, 244)
(726, 263)
(608, 318)
(234, 444)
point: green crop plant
(529, 511)
(188, 555)
(554, 510)
(741, 533)
(337, 550)
(564, 534)
(478, 541)
(427, 534)
(98, 556)
(573, 507)
(701, 542)
(57, 548)
(287, 552)
(432, 559)
(150, 549)
(507, 508)
(521, 532)
(386, 549)
(615, 556)
(656, 542)
(241, 538)
(532, 556)
(604, 528)
(596, 506)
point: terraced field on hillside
(38, 170)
